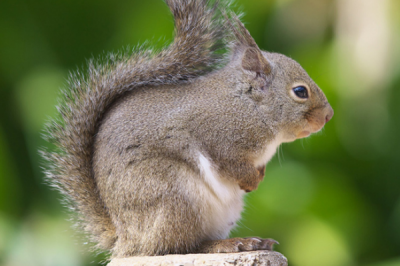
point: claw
(273, 240)
(269, 243)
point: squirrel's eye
(301, 92)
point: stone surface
(267, 258)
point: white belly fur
(223, 201)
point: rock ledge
(259, 258)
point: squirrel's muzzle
(316, 119)
(329, 113)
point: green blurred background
(331, 199)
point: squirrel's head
(304, 107)
(280, 88)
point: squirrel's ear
(253, 60)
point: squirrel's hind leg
(157, 216)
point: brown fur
(143, 137)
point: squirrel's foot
(237, 245)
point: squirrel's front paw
(237, 245)
(252, 178)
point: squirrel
(155, 150)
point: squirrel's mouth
(313, 126)
(303, 134)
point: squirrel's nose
(329, 113)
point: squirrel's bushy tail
(199, 36)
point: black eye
(301, 92)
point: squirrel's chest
(223, 201)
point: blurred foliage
(331, 199)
